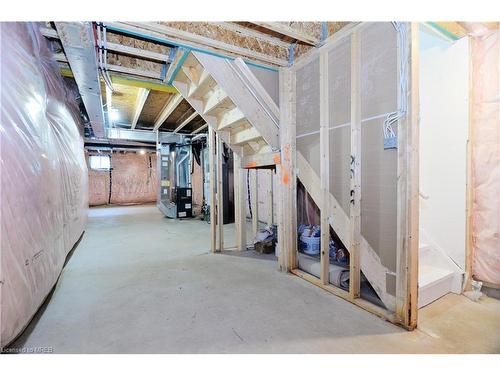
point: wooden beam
(121, 80)
(136, 52)
(287, 203)
(220, 196)
(199, 129)
(186, 121)
(194, 41)
(355, 196)
(408, 195)
(368, 306)
(267, 159)
(330, 43)
(167, 111)
(288, 31)
(133, 71)
(255, 200)
(269, 201)
(142, 96)
(245, 31)
(239, 203)
(324, 168)
(212, 179)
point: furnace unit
(175, 193)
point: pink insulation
(133, 178)
(485, 139)
(43, 175)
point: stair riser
(435, 290)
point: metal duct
(78, 42)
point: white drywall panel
(444, 119)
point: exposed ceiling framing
(167, 110)
(141, 100)
(137, 58)
(289, 32)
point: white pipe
(106, 56)
(104, 74)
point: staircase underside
(370, 263)
(234, 104)
(230, 99)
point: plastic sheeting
(486, 158)
(44, 176)
(133, 180)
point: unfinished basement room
(251, 187)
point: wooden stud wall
(408, 196)
(407, 252)
(254, 200)
(324, 167)
(355, 201)
(239, 203)
(287, 205)
(220, 199)
(212, 172)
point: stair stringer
(226, 76)
(370, 262)
(198, 107)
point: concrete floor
(141, 283)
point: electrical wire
(403, 48)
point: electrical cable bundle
(403, 48)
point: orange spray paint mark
(277, 159)
(286, 177)
(287, 152)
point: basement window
(100, 162)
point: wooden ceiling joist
(136, 52)
(200, 129)
(186, 121)
(132, 71)
(141, 99)
(253, 33)
(190, 40)
(127, 81)
(289, 32)
(116, 47)
(167, 111)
